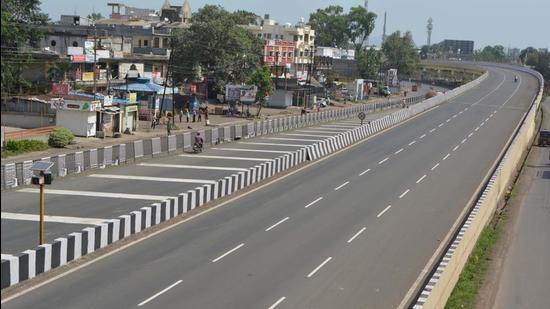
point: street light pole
(41, 236)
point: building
(458, 47)
(335, 53)
(131, 12)
(301, 35)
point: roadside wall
(441, 283)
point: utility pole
(95, 58)
(168, 73)
(41, 233)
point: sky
(509, 23)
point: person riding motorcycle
(516, 79)
(199, 141)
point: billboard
(78, 58)
(60, 89)
(86, 76)
(71, 50)
(242, 93)
(392, 80)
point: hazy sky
(487, 22)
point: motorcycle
(197, 148)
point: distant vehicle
(385, 91)
(544, 138)
(516, 79)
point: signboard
(89, 47)
(60, 89)
(131, 108)
(242, 93)
(108, 100)
(87, 76)
(132, 97)
(57, 103)
(78, 58)
(118, 54)
(392, 78)
(60, 104)
(71, 50)
(103, 54)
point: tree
(360, 26)
(215, 46)
(492, 54)
(262, 79)
(368, 63)
(60, 71)
(95, 16)
(401, 54)
(20, 19)
(331, 26)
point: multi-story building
(301, 36)
(458, 47)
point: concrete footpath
(524, 265)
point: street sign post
(42, 176)
(361, 116)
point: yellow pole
(41, 214)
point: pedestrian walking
(153, 121)
(206, 114)
(194, 115)
(200, 115)
(186, 111)
(168, 126)
(181, 115)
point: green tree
(60, 71)
(360, 25)
(262, 79)
(368, 63)
(95, 16)
(331, 26)
(401, 53)
(19, 30)
(492, 54)
(216, 46)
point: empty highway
(351, 231)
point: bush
(60, 137)
(21, 146)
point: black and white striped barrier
(30, 263)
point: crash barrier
(30, 263)
(439, 285)
(17, 174)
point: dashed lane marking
(341, 186)
(421, 178)
(319, 267)
(276, 224)
(312, 203)
(159, 293)
(383, 211)
(227, 253)
(357, 234)
(364, 172)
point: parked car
(385, 91)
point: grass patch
(466, 290)
(17, 147)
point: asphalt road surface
(352, 231)
(525, 274)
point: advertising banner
(87, 76)
(60, 89)
(71, 50)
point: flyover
(352, 230)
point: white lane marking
(364, 172)
(251, 150)
(513, 93)
(477, 129)
(469, 108)
(491, 116)
(317, 132)
(297, 139)
(412, 143)
(463, 141)
(326, 129)
(319, 267)
(195, 167)
(435, 166)
(306, 135)
(487, 119)
(277, 303)
(404, 193)
(98, 194)
(448, 120)
(423, 135)
(456, 147)
(440, 125)
(397, 152)
(341, 186)
(54, 219)
(470, 135)
(386, 159)
(432, 130)
(446, 157)
(311, 204)
(383, 211)
(460, 113)
(357, 234)
(454, 116)
(482, 124)
(227, 253)
(146, 178)
(274, 225)
(159, 293)
(225, 157)
(421, 178)
(272, 144)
